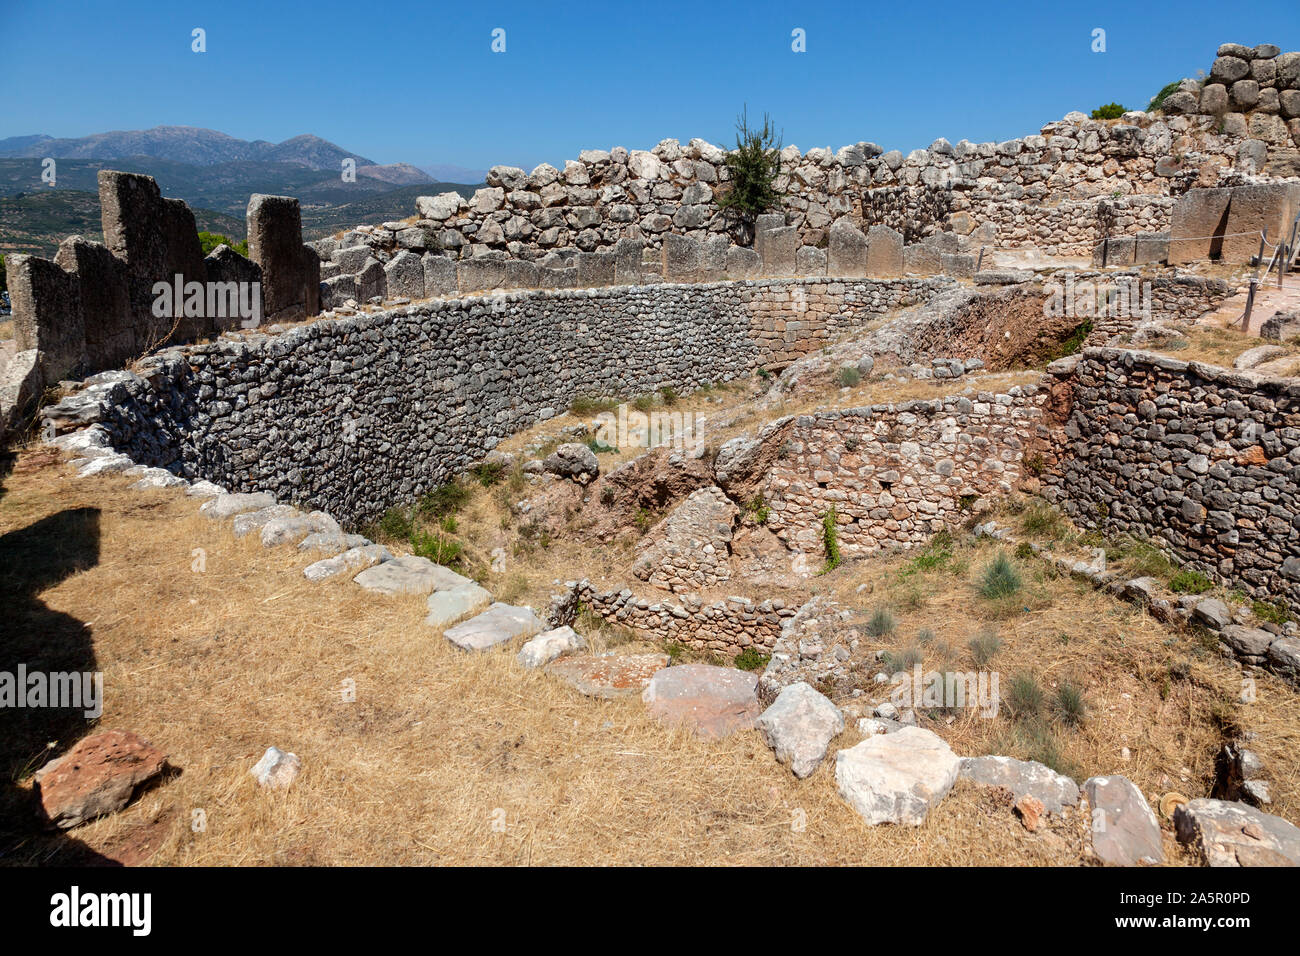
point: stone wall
(1198, 457)
(354, 415)
(94, 306)
(896, 474)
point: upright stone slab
(404, 275)
(290, 270)
(810, 261)
(521, 274)
(778, 248)
(439, 275)
(230, 273)
(714, 259)
(372, 281)
(743, 263)
(1252, 209)
(46, 302)
(1150, 247)
(157, 239)
(847, 250)
(595, 269)
(480, 275)
(627, 261)
(110, 331)
(1197, 224)
(884, 252)
(921, 259)
(683, 258)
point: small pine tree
(754, 166)
(1109, 111)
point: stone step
(608, 675)
(410, 574)
(498, 624)
(454, 605)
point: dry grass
(7, 329)
(438, 746)
(1220, 346)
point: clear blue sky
(417, 81)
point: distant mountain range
(213, 172)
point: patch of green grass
(881, 623)
(1034, 740)
(1068, 706)
(444, 500)
(934, 556)
(751, 659)
(1073, 342)
(902, 660)
(1271, 613)
(395, 525)
(643, 403)
(437, 547)
(668, 395)
(848, 376)
(1166, 91)
(758, 508)
(1041, 520)
(1025, 697)
(984, 646)
(589, 405)
(1190, 582)
(488, 473)
(1000, 579)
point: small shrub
(1271, 613)
(1035, 464)
(851, 444)
(395, 525)
(1025, 551)
(1043, 521)
(984, 646)
(674, 651)
(751, 659)
(830, 540)
(643, 520)
(643, 403)
(902, 660)
(488, 473)
(1109, 111)
(436, 547)
(848, 376)
(444, 500)
(607, 496)
(668, 395)
(758, 508)
(1067, 705)
(1025, 696)
(925, 637)
(753, 168)
(1073, 342)
(967, 502)
(881, 623)
(1166, 91)
(587, 405)
(1190, 582)
(1000, 579)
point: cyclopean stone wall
(354, 415)
(1199, 457)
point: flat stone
(712, 701)
(1054, 791)
(359, 557)
(498, 624)
(409, 574)
(1213, 613)
(1247, 641)
(1124, 829)
(799, 727)
(251, 521)
(898, 777)
(453, 605)
(229, 505)
(549, 645)
(1229, 833)
(331, 542)
(608, 675)
(97, 776)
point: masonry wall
(354, 415)
(1201, 458)
(896, 474)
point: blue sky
(417, 81)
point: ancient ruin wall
(896, 474)
(1199, 457)
(354, 415)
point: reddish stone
(712, 701)
(1031, 812)
(1254, 455)
(96, 777)
(614, 675)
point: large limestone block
(290, 270)
(48, 317)
(884, 252)
(497, 625)
(1197, 224)
(711, 701)
(1228, 833)
(1124, 830)
(898, 777)
(778, 248)
(110, 328)
(1270, 206)
(847, 250)
(799, 727)
(683, 258)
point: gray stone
(47, 314)
(1228, 834)
(1247, 642)
(1124, 830)
(1270, 206)
(573, 460)
(884, 252)
(683, 258)
(109, 325)
(549, 645)
(229, 505)
(439, 275)
(711, 701)
(898, 777)
(1023, 778)
(1213, 613)
(404, 275)
(409, 574)
(846, 249)
(498, 624)
(453, 605)
(331, 542)
(777, 248)
(290, 271)
(360, 556)
(799, 727)
(1197, 224)
(743, 263)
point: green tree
(754, 166)
(210, 240)
(1109, 111)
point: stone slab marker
(778, 248)
(810, 261)
(884, 252)
(743, 263)
(405, 275)
(290, 270)
(627, 261)
(1151, 247)
(479, 275)
(595, 269)
(714, 267)
(921, 260)
(111, 340)
(1197, 219)
(224, 265)
(439, 275)
(683, 258)
(1252, 209)
(847, 250)
(47, 311)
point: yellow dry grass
(449, 758)
(1221, 346)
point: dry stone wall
(1199, 457)
(356, 414)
